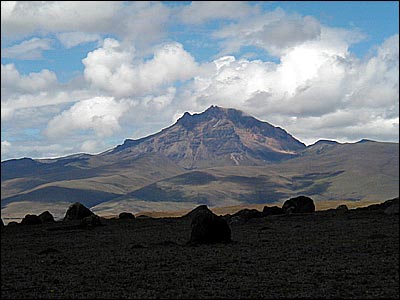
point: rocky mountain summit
(216, 137)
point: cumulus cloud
(278, 32)
(36, 149)
(113, 68)
(21, 18)
(33, 90)
(161, 101)
(28, 50)
(317, 79)
(100, 114)
(75, 38)
(143, 23)
(283, 33)
(91, 146)
(12, 81)
(202, 11)
(5, 147)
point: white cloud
(278, 32)
(91, 146)
(21, 18)
(143, 23)
(110, 68)
(75, 38)
(28, 50)
(36, 89)
(35, 149)
(202, 11)
(113, 68)
(5, 147)
(317, 80)
(285, 33)
(161, 101)
(12, 81)
(100, 114)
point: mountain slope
(216, 137)
(358, 171)
(116, 177)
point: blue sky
(75, 79)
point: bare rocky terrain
(325, 254)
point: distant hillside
(358, 172)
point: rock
(342, 207)
(236, 221)
(2, 223)
(143, 217)
(91, 221)
(393, 208)
(190, 215)
(272, 211)
(126, 216)
(247, 214)
(380, 206)
(31, 220)
(77, 211)
(46, 217)
(301, 204)
(12, 223)
(208, 228)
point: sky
(84, 76)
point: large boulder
(31, 220)
(272, 211)
(77, 211)
(126, 216)
(208, 228)
(46, 217)
(301, 204)
(190, 215)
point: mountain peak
(218, 137)
(215, 108)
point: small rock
(91, 221)
(31, 220)
(272, 211)
(393, 209)
(247, 214)
(342, 207)
(46, 217)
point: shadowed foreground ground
(353, 254)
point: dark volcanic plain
(326, 254)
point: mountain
(334, 171)
(219, 157)
(216, 137)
